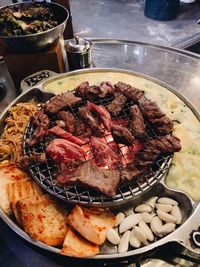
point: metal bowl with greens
(32, 26)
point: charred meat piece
(129, 91)
(166, 144)
(153, 147)
(105, 88)
(102, 113)
(65, 135)
(129, 173)
(42, 121)
(69, 119)
(72, 125)
(84, 90)
(103, 154)
(117, 104)
(137, 127)
(59, 102)
(122, 135)
(63, 151)
(26, 161)
(88, 174)
(162, 124)
(91, 120)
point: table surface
(124, 19)
(179, 69)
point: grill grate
(45, 173)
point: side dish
(26, 19)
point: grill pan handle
(188, 239)
(36, 79)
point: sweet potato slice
(92, 224)
(77, 246)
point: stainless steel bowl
(37, 41)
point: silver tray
(190, 209)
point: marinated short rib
(72, 125)
(65, 135)
(137, 127)
(102, 113)
(122, 135)
(129, 173)
(103, 154)
(150, 110)
(63, 151)
(86, 91)
(88, 174)
(117, 104)
(69, 119)
(42, 121)
(91, 120)
(61, 101)
(153, 147)
(129, 91)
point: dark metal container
(161, 9)
(37, 41)
(79, 53)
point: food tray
(190, 209)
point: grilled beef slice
(150, 110)
(122, 135)
(61, 101)
(117, 104)
(86, 91)
(130, 172)
(153, 147)
(137, 127)
(72, 125)
(42, 121)
(88, 174)
(104, 155)
(102, 113)
(91, 120)
(66, 135)
(63, 151)
(129, 91)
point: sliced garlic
(146, 230)
(124, 242)
(113, 237)
(166, 217)
(146, 217)
(140, 235)
(134, 242)
(176, 213)
(167, 200)
(119, 218)
(144, 208)
(155, 225)
(167, 228)
(164, 207)
(129, 222)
